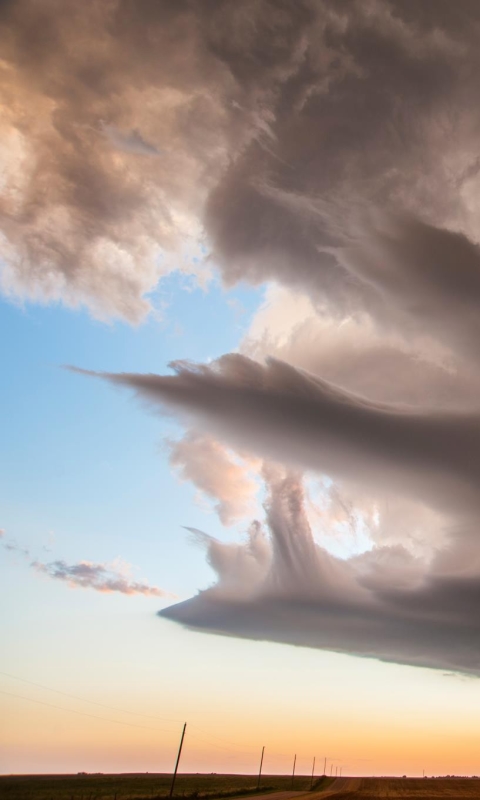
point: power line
(85, 700)
(206, 735)
(115, 708)
(83, 713)
(119, 710)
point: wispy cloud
(100, 577)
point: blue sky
(85, 462)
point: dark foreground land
(203, 787)
(142, 786)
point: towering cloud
(329, 147)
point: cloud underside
(287, 589)
(290, 416)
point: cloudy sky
(240, 282)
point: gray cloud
(11, 546)
(288, 415)
(387, 603)
(130, 142)
(359, 357)
(284, 125)
(330, 147)
(101, 577)
(383, 604)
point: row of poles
(174, 777)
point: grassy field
(408, 789)
(190, 787)
(140, 786)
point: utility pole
(260, 770)
(293, 772)
(331, 769)
(325, 766)
(336, 770)
(313, 770)
(178, 759)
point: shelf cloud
(384, 604)
(392, 601)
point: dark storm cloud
(330, 146)
(277, 123)
(287, 589)
(281, 413)
(429, 278)
(386, 603)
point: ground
(190, 787)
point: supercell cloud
(329, 148)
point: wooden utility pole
(177, 761)
(260, 770)
(325, 766)
(293, 772)
(313, 770)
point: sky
(239, 291)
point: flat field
(403, 788)
(140, 786)
(151, 786)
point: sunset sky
(239, 309)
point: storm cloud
(271, 133)
(287, 415)
(411, 595)
(385, 603)
(329, 148)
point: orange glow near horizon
(368, 717)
